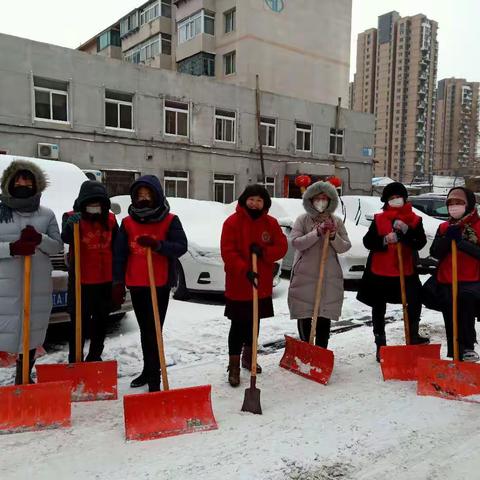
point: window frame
(224, 182)
(232, 54)
(191, 32)
(232, 13)
(118, 103)
(266, 183)
(335, 134)
(268, 126)
(224, 119)
(177, 111)
(167, 178)
(51, 92)
(304, 131)
(138, 49)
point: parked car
(361, 209)
(64, 184)
(201, 269)
(431, 204)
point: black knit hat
(91, 191)
(394, 188)
(27, 175)
(255, 191)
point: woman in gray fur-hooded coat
(26, 228)
(320, 200)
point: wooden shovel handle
(27, 274)
(456, 352)
(318, 291)
(403, 291)
(255, 319)
(158, 323)
(78, 293)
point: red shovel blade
(89, 381)
(399, 362)
(449, 379)
(165, 414)
(25, 408)
(309, 361)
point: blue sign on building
(276, 5)
(367, 152)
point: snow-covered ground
(357, 427)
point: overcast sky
(69, 23)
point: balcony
(421, 119)
(422, 105)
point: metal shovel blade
(309, 361)
(399, 362)
(25, 408)
(449, 379)
(89, 380)
(164, 414)
(251, 402)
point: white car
(361, 209)
(201, 269)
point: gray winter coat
(11, 268)
(306, 263)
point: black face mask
(144, 204)
(22, 192)
(254, 213)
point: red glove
(20, 248)
(29, 234)
(148, 242)
(327, 226)
(118, 295)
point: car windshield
(439, 209)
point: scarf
(148, 215)
(24, 205)
(468, 231)
(405, 214)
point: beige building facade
(302, 51)
(395, 80)
(457, 127)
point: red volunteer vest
(96, 251)
(386, 263)
(468, 267)
(137, 270)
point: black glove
(253, 278)
(29, 234)
(454, 232)
(148, 242)
(21, 248)
(256, 249)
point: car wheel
(180, 291)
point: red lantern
(335, 181)
(303, 181)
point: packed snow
(357, 427)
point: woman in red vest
(98, 228)
(249, 230)
(463, 227)
(148, 225)
(381, 281)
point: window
(269, 184)
(176, 118)
(128, 24)
(229, 63)
(176, 184)
(150, 13)
(199, 64)
(230, 18)
(268, 132)
(51, 100)
(201, 22)
(224, 126)
(223, 188)
(107, 39)
(336, 141)
(167, 8)
(118, 110)
(304, 137)
(154, 46)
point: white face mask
(93, 210)
(457, 211)
(320, 205)
(396, 202)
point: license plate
(59, 299)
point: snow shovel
(90, 380)
(399, 362)
(446, 379)
(38, 406)
(172, 412)
(251, 401)
(307, 359)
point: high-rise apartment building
(395, 80)
(457, 127)
(299, 51)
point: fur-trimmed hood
(16, 166)
(315, 189)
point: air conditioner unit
(94, 175)
(48, 150)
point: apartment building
(198, 135)
(395, 80)
(457, 127)
(298, 51)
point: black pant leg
(378, 318)
(304, 326)
(86, 314)
(323, 332)
(100, 300)
(236, 337)
(248, 332)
